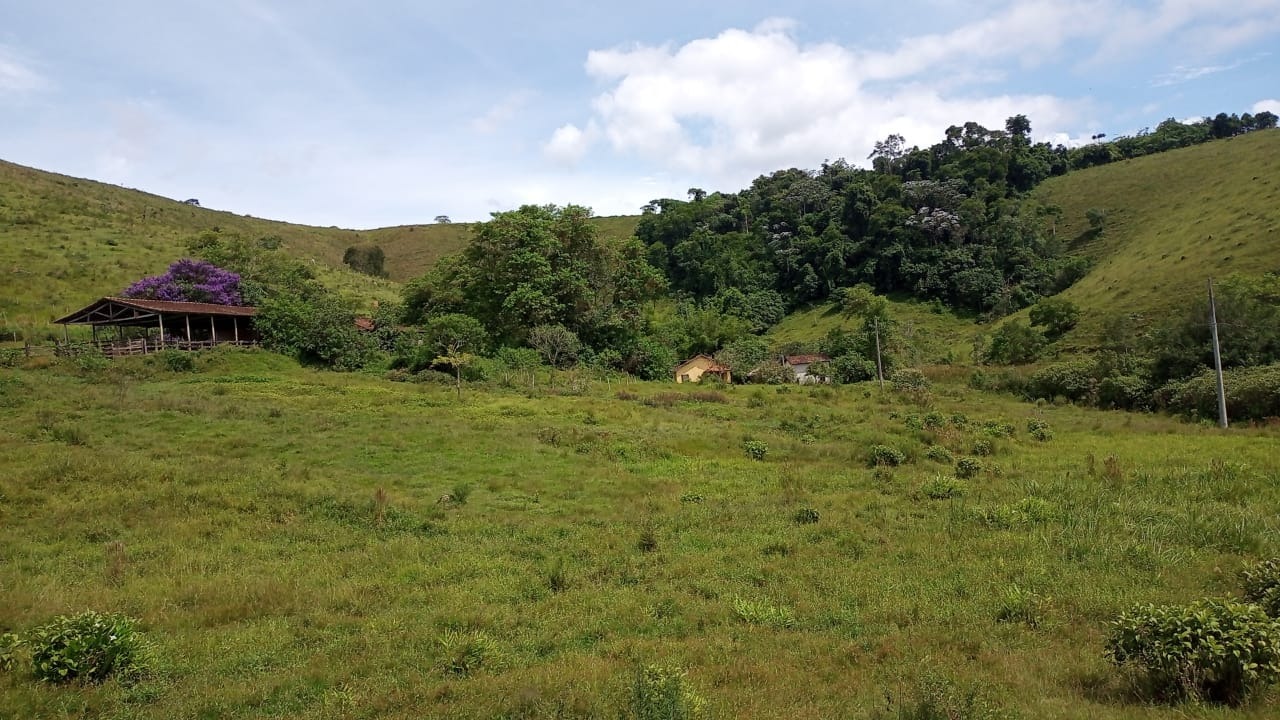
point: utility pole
(879, 364)
(1217, 358)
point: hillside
(1172, 220)
(66, 240)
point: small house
(799, 364)
(694, 368)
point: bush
(1212, 650)
(968, 467)
(1039, 429)
(1125, 392)
(89, 646)
(1056, 315)
(175, 360)
(1072, 380)
(852, 368)
(882, 455)
(910, 380)
(755, 449)
(806, 516)
(1252, 394)
(1015, 343)
(663, 693)
(1020, 605)
(937, 453)
(943, 487)
(982, 447)
(1262, 586)
(9, 646)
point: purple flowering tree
(190, 281)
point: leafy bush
(1124, 392)
(9, 646)
(968, 467)
(910, 380)
(852, 368)
(1039, 429)
(174, 360)
(884, 455)
(1252, 393)
(1072, 380)
(89, 646)
(763, 613)
(1213, 650)
(938, 453)
(943, 487)
(319, 330)
(1262, 586)
(934, 420)
(466, 652)
(1056, 315)
(663, 693)
(982, 447)
(755, 449)
(1015, 343)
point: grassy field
(925, 334)
(605, 526)
(1172, 220)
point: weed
(648, 541)
(69, 434)
(938, 453)
(938, 698)
(943, 487)
(982, 447)
(692, 498)
(1020, 605)
(380, 502)
(934, 420)
(805, 516)
(557, 578)
(626, 395)
(10, 646)
(763, 613)
(460, 492)
(663, 693)
(755, 449)
(708, 396)
(1039, 429)
(1111, 469)
(115, 561)
(664, 399)
(468, 651)
(1262, 585)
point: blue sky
(381, 113)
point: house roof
(806, 359)
(366, 323)
(713, 367)
(135, 311)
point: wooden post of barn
(235, 328)
(213, 330)
(161, 319)
(188, 319)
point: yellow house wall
(693, 369)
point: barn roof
(806, 359)
(133, 311)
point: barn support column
(235, 328)
(161, 319)
(188, 319)
(213, 330)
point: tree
(887, 153)
(454, 338)
(556, 343)
(1056, 315)
(860, 301)
(1015, 343)
(316, 330)
(190, 281)
(744, 354)
(367, 259)
(442, 220)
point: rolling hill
(65, 240)
(1171, 221)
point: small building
(799, 364)
(142, 326)
(694, 368)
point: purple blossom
(190, 281)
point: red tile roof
(166, 307)
(806, 359)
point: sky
(392, 112)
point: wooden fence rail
(112, 349)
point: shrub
(460, 493)
(937, 453)
(913, 422)
(910, 380)
(943, 487)
(1252, 393)
(882, 455)
(1262, 586)
(982, 447)
(9, 646)
(89, 646)
(1015, 343)
(997, 429)
(1213, 650)
(466, 652)
(175, 360)
(968, 467)
(755, 449)
(648, 541)
(1125, 392)
(934, 420)
(763, 613)
(1056, 315)
(1039, 429)
(1072, 380)
(806, 516)
(663, 693)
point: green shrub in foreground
(755, 449)
(9, 644)
(1262, 586)
(1213, 650)
(88, 646)
(882, 455)
(664, 693)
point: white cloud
(743, 102)
(502, 112)
(1272, 106)
(568, 144)
(16, 76)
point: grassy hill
(64, 241)
(925, 334)
(1172, 220)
